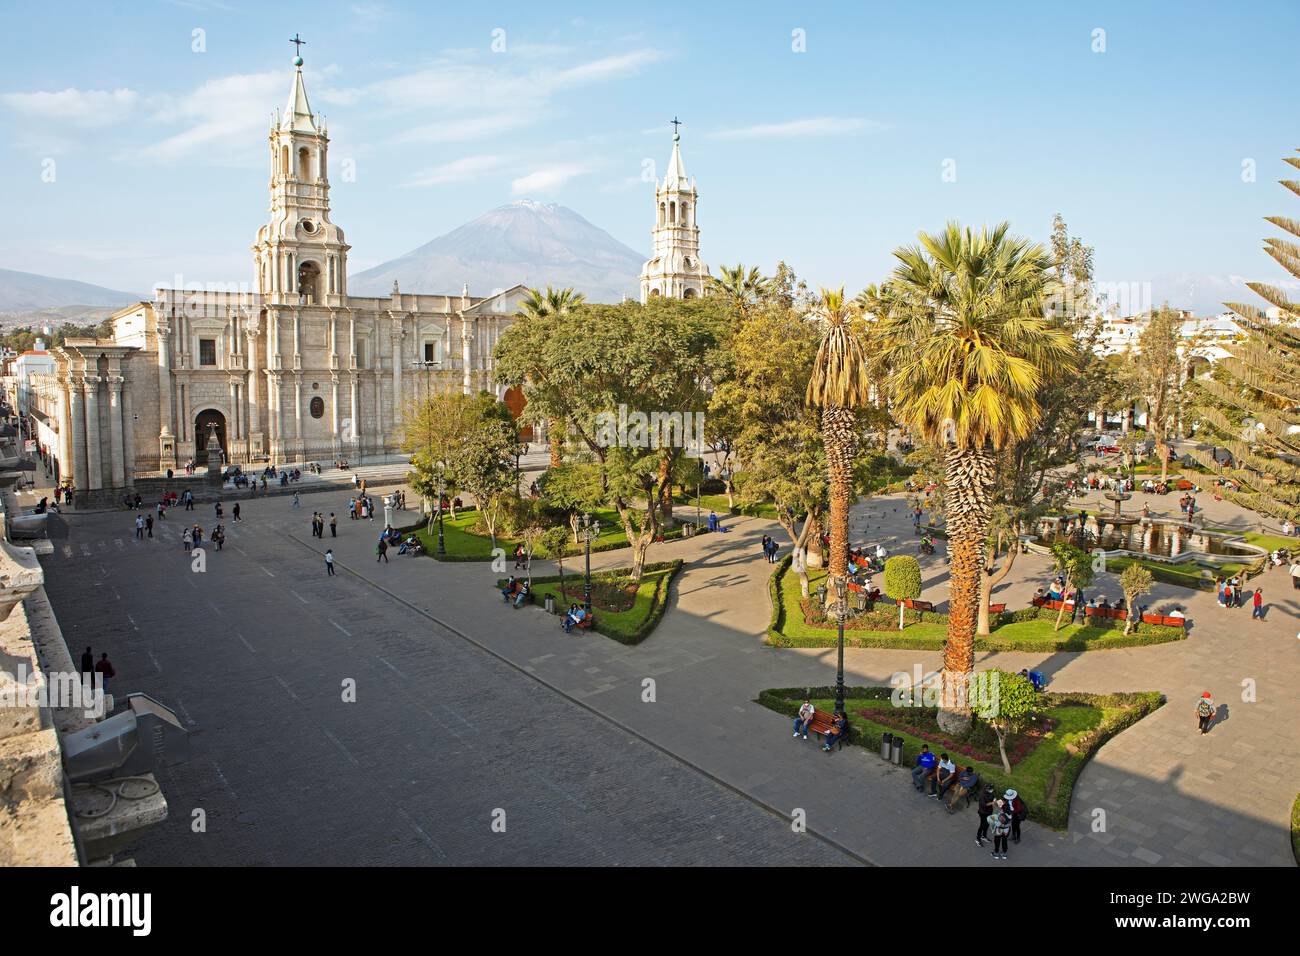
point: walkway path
(1170, 796)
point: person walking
(88, 665)
(234, 512)
(217, 510)
(1205, 712)
(382, 550)
(1257, 602)
(334, 526)
(139, 528)
(985, 808)
(187, 539)
(148, 524)
(329, 562)
(1295, 574)
(296, 502)
(104, 668)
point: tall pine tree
(1250, 404)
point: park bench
(821, 722)
(918, 605)
(585, 624)
(1164, 620)
(969, 796)
(864, 597)
(997, 608)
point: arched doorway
(515, 401)
(209, 416)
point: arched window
(688, 294)
(686, 218)
(304, 164)
(663, 213)
(654, 293)
(284, 160)
(672, 212)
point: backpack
(1204, 708)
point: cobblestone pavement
(253, 653)
(1170, 795)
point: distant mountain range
(28, 298)
(524, 242)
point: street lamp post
(841, 604)
(590, 529)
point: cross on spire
(298, 44)
(676, 123)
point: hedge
(1056, 813)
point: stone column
(467, 354)
(166, 430)
(356, 421)
(235, 431)
(128, 437)
(397, 373)
(253, 373)
(297, 407)
(94, 457)
(297, 341)
(334, 409)
(65, 451)
(76, 464)
(117, 460)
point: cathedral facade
(291, 369)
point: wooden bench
(918, 605)
(585, 624)
(997, 608)
(1164, 621)
(821, 722)
(968, 796)
(863, 595)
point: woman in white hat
(1016, 808)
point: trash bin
(898, 750)
(549, 603)
(886, 746)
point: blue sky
(828, 158)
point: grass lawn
(463, 543)
(929, 632)
(718, 503)
(625, 614)
(1044, 776)
(1189, 574)
(1269, 542)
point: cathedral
(294, 369)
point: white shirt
(806, 711)
(947, 765)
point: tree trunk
(665, 489)
(968, 477)
(555, 442)
(726, 483)
(1069, 589)
(840, 438)
(639, 540)
(989, 581)
(1002, 749)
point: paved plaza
(466, 706)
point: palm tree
(542, 305)
(966, 344)
(743, 289)
(839, 385)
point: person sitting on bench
(966, 783)
(577, 614)
(524, 594)
(923, 769)
(945, 775)
(839, 724)
(511, 587)
(804, 719)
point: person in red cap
(1205, 712)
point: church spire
(675, 271)
(298, 115)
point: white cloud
(87, 108)
(547, 178)
(457, 171)
(813, 126)
(224, 115)
(457, 130)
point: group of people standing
(770, 548)
(318, 525)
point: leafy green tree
(741, 290)
(588, 366)
(1076, 565)
(575, 487)
(1157, 370)
(967, 346)
(1009, 706)
(1135, 580)
(539, 306)
(759, 407)
(902, 581)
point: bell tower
(675, 270)
(300, 256)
